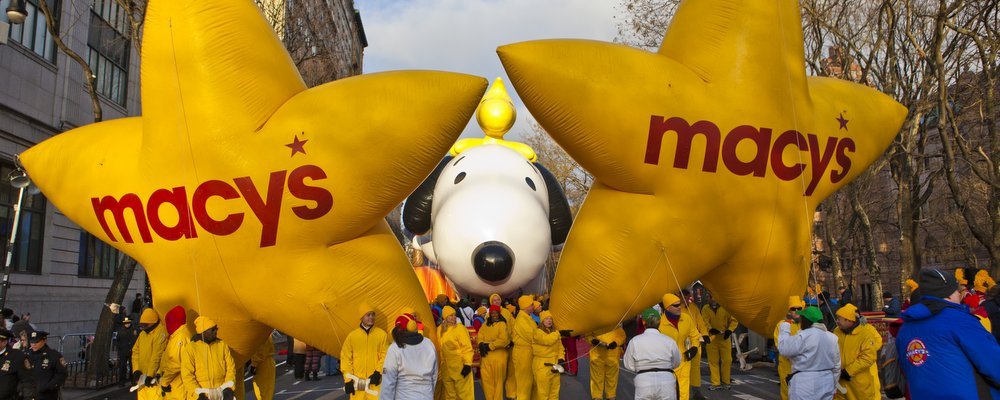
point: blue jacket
(940, 348)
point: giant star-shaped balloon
(203, 190)
(710, 157)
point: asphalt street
(760, 383)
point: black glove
(844, 376)
(228, 394)
(149, 381)
(375, 378)
(484, 349)
(565, 333)
(135, 377)
(713, 331)
(689, 353)
(252, 371)
(612, 346)
(164, 390)
(594, 342)
(706, 339)
(202, 397)
(466, 369)
(727, 334)
(349, 388)
(894, 393)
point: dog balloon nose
(493, 261)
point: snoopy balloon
(493, 211)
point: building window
(109, 48)
(33, 33)
(97, 259)
(30, 231)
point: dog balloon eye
(530, 183)
(461, 175)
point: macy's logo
(768, 155)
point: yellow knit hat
(524, 301)
(545, 314)
(149, 316)
(202, 324)
(447, 311)
(669, 299)
(364, 309)
(912, 285)
(848, 311)
(481, 310)
(795, 302)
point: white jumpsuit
(815, 360)
(649, 351)
(409, 373)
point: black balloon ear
(417, 208)
(560, 216)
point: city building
(60, 274)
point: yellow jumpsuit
(546, 348)
(493, 367)
(207, 366)
(695, 314)
(363, 353)
(263, 379)
(524, 331)
(858, 355)
(686, 335)
(784, 364)
(604, 364)
(510, 382)
(170, 364)
(720, 349)
(147, 353)
(456, 350)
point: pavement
(759, 383)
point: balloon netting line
(813, 273)
(663, 257)
(180, 137)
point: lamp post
(17, 11)
(19, 179)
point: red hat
(406, 322)
(494, 308)
(175, 318)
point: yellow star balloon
(248, 197)
(710, 157)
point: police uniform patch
(62, 361)
(916, 352)
(6, 366)
(27, 363)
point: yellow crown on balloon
(496, 115)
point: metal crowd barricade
(75, 348)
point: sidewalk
(94, 394)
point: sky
(462, 35)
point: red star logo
(842, 121)
(297, 146)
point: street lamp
(18, 179)
(17, 11)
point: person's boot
(307, 377)
(696, 393)
(316, 375)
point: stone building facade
(60, 274)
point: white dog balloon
(494, 214)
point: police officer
(15, 371)
(48, 365)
